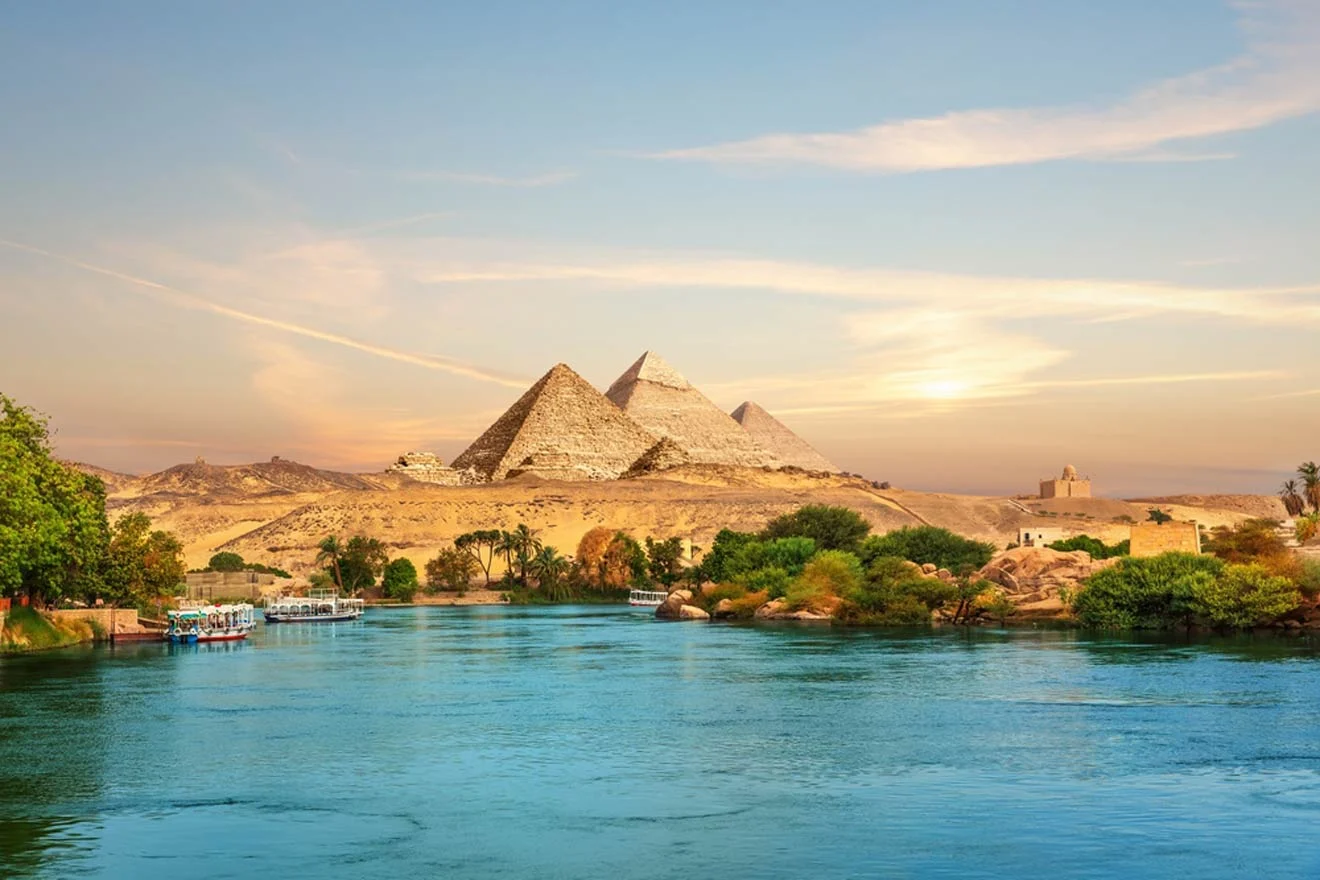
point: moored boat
(324, 606)
(210, 623)
(647, 598)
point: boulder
(671, 607)
(723, 609)
(929, 568)
(1031, 575)
(692, 612)
(777, 609)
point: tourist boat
(322, 606)
(647, 598)
(210, 623)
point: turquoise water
(588, 742)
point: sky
(954, 244)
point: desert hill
(113, 480)
(276, 512)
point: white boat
(210, 623)
(323, 606)
(647, 598)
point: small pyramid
(563, 419)
(657, 397)
(664, 454)
(775, 437)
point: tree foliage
(451, 569)
(1249, 541)
(928, 545)
(832, 528)
(142, 563)
(225, 561)
(481, 545)
(399, 580)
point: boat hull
(198, 638)
(278, 617)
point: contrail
(192, 301)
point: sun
(943, 389)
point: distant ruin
(649, 420)
(425, 467)
(1068, 486)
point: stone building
(1068, 486)
(1152, 538)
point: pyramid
(776, 438)
(663, 455)
(563, 423)
(657, 397)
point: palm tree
(508, 545)
(1291, 500)
(1309, 471)
(549, 568)
(330, 552)
(526, 546)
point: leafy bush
(1094, 546)
(1308, 579)
(1248, 541)
(1307, 527)
(399, 580)
(928, 544)
(1148, 593)
(830, 573)
(1244, 596)
(1180, 589)
(773, 581)
(832, 528)
(716, 566)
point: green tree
(481, 546)
(928, 545)
(664, 559)
(226, 561)
(715, 567)
(1156, 515)
(624, 562)
(832, 528)
(1242, 597)
(53, 528)
(142, 563)
(1156, 592)
(399, 580)
(525, 547)
(362, 562)
(451, 569)
(550, 570)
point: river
(597, 742)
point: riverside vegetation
(57, 546)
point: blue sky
(953, 244)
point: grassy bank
(28, 630)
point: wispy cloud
(552, 178)
(1003, 297)
(1277, 77)
(184, 299)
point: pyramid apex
(650, 367)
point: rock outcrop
(657, 397)
(564, 417)
(678, 607)
(774, 437)
(1033, 574)
(426, 467)
(663, 455)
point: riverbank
(27, 630)
(470, 597)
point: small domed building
(1068, 486)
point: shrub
(716, 565)
(830, 573)
(1243, 596)
(773, 581)
(1094, 546)
(1148, 593)
(747, 605)
(399, 580)
(832, 528)
(451, 569)
(725, 591)
(928, 544)
(1307, 527)
(1248, 541)
(1308, 579)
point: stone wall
(1065, 488)
(1152, 539)
(208, 585)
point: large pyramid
(657, 397)
(776, 438)
(563, 425)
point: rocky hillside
(274, 477)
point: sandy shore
(471, 597)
